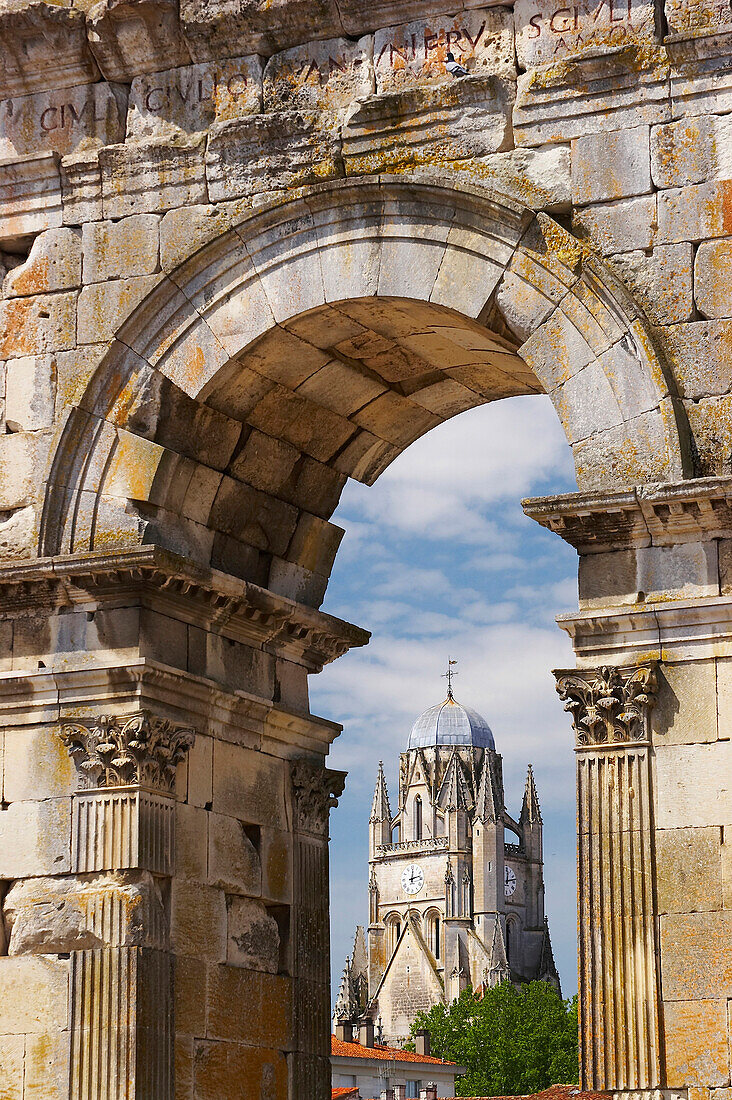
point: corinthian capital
(609, 706)
(137, 750)
(316, 792)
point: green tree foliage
(513, 1041)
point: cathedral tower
(451, 902)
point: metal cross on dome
(449, 676)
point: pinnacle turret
(489, 802)
(380, 808)
(530, 810)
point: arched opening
(314, 343)
(433, 932)
(393, 924)
(418, 818)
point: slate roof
(450, 723)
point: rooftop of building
(346, 1091)
(341, 1049)
(453, 724)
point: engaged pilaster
(316, 791)
(123, 821)
(618, 979)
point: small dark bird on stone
(454, 67)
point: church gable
(410, 983)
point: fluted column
(123, 827)
(315, 792)
(618, 974)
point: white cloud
(443, 484)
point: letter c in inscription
(561, 21)
(236, 83)
(49, 120)
(149, 105)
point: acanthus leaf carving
(609, 705)
(138, 750)
(316, 792)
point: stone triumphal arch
(251, 251)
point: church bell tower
(451, 903)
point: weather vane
(449, 675)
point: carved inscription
(688, 15)
(549, 30)
(319, 76)
(482, 41)
(192, 98)
(61, 121)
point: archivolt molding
(318, 338)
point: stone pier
(249, 251)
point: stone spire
(345, 1006)
(530, 811)
(455, 793)
(489, 803)
(380, 808)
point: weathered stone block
(414, 54)
(131, 38)
(694, 213)
(33, 995)
(613, 165)
(691, 150)
(249, 1007)
(198, 921)
(712, 278)
(46, 1067)
(701, 354)
(320, 76)
(696, 955)
(30, 393)
(219, 1068)
(724, 664)
(267, 153)
(693, 785)
(608, 579)
(686, 710)
(689, 866)
(248, 783)
(12, 1057)
(54, 263)
(30, 196)
(696, 1044)
(22, 461)
(37, 324)
(684, 17)
(63, 120)
(44, 47)
(619, 226)
(427, 125)
(152, 176)
(37, 765)
(188, 100)
(103, 306)
(685, 571)
(128, 246)
(546, 33)
(661, 282)
(190, 995)
(233, 860)
(191, 842)
(81, 188)
(711, 428)
(253, 937)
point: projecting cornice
(647, 515)
(205, 597)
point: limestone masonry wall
(250, 249)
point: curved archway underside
(314, 342)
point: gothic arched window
(434, 933)
(393, 931)
(418, 818)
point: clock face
(509, 881)
(412, 879)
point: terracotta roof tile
(555, 1092)
(348, 1090)
(339, 1049)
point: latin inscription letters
(423, 47)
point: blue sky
(439, 559)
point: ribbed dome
(450, 723)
